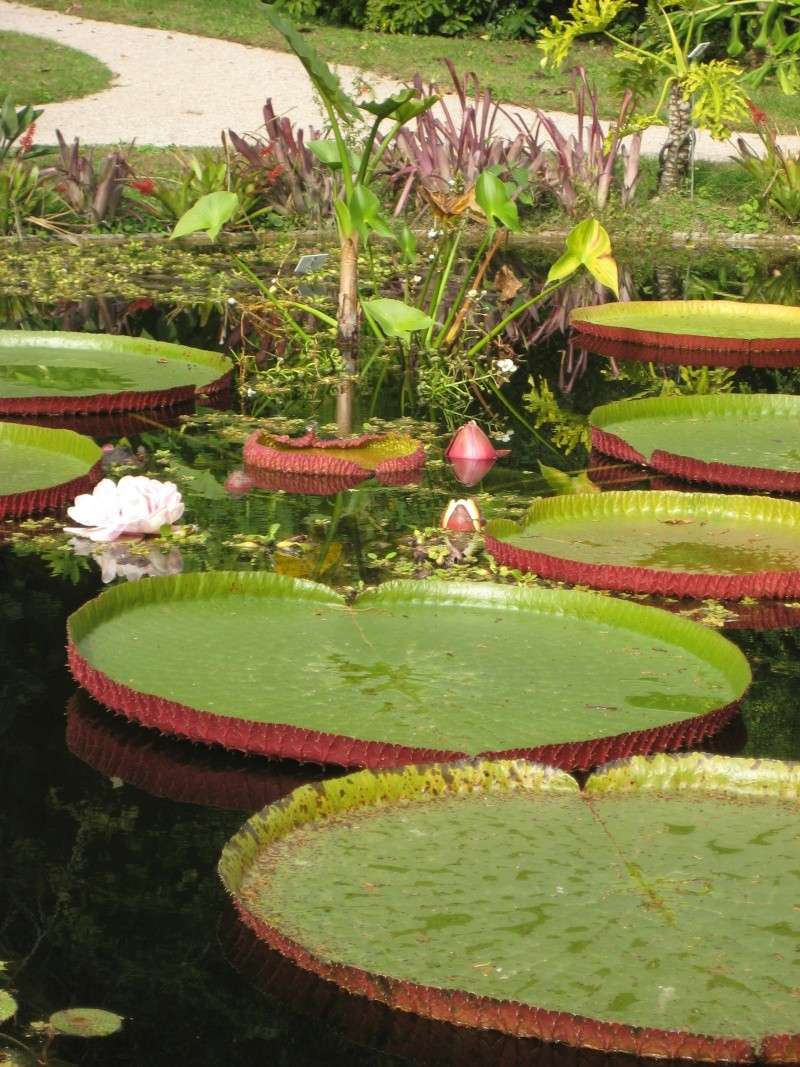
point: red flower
(146, 186)
(273, 175)
(462, 516)
(26, 141)
(759, 117)
(142, 304)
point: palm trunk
(348, 304)
(676, 155)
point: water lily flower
(463, 516)
(470, 471)
(470, 442)
(238, 483)
(134, 505)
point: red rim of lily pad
(689, 468)
(608, 321)
(28, 502)
(175, 770)
(477, 1011)
(306, 455)
(679, 507)
(642, 352)
(124, 400)
(286, 741)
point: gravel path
(174, 88)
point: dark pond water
(110, 835)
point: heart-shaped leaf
(395, 318)
(494, 199)
(588, 245)
(209, 213)
(365, 213)
(383, 108)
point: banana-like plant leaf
(395, 318)
(322, 77)
(209, 213)
(494, 198)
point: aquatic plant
(462, 516)
(135, 505)
(471, 443)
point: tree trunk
(348, 304)
(676, 155)
(345, 400)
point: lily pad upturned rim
(607, 321)
(695, 772)
(283, 453)
(634, 351)
(17, 505)
(125, 400)
(688, 468)
(284, 741)
(636, 579)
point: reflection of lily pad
(86, 1022)
(678, 544)
(53, 373)
(653, 914)
(41, 468)
(411, 670)
(720, 324)
(351, 457)
(746, 440)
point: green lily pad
(47, 371)
(8, 1006)
(712, 323)
(409, 670)
(749, 440)
(680, 544)
(654, 913)
(86, 1022)
(42, 468)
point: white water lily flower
(134, 505)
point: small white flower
(416, 279)
(506, 366)
(434, 233)
(431, 257)
(472, 293)
(249, 391)
(231, 301)
(504, 436)
(273, 289)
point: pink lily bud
(238, 483)
(463, 516)
(470, 442)
(471, 471)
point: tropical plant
(690, 94)
(91, 194)
(777, 171)
(765, 35)
(14, 124)
(580, 171)
(21, 194)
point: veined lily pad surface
(655, 913)
(411, 670)
(42, 468)
(720, 324)
(356, 458)
(749, 441)
(675, 544)
(55, 373)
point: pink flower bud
(470, 442)
(238, 483)
(463, 516)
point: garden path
(175, 88)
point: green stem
(444, 277)
(342, 149)
(275, 303)
(367, 152)
(632, 48)
(381, 149)
(517, 311)
(463, 288)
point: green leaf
(397, 319)
(365, 213)
(408, 244)
(86, 1022)
(382, 109)
(414, 108)
(327, 152)
(563, 484)
(588, 245)
(8, 1006)
(209, 213)
(494, 199)
(324, 80)
(343, 218)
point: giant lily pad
(653, 914)
(675, 544)
(51, 373)
(348, 459)
(42, 468)
(411, 670)
(750, 441)
(695, 324)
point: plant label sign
(309, 264)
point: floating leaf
(42, 468)
(8, 1006)
(395, 318)
(86, 1022)
(209, 213)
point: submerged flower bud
(463, 516)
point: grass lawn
(35, 70)
(510, 68)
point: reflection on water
(109, 842)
